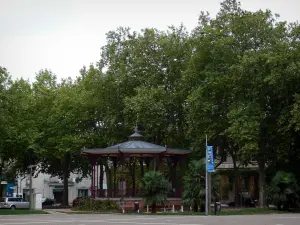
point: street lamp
(30, 186)
(109, 164)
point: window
(82, 192)
(224, 187)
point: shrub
(154, 189)
(282, 191)
(96, 205)
(194, 186)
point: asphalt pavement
(113, 219)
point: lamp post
(30, 186)
(109, 164)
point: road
(90, 219)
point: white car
(13, 203)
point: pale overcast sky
(65, 35)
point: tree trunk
(66, 174)
(153, 208)
(195, 207)
(237, 196)
(261, 182)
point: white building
(52, 187)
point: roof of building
(135, 145)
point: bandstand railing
(128, 193)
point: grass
(87, 212)
(250, 211)
(225, 212)
(21, 212)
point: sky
(65, 35)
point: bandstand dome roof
(135, 145)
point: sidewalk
(55, 211)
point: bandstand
(145, 153)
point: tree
(211, 95)
(149, 61)
(4, 118)
(17, 125)
(238, 68)
(154, 188)
(61, 123)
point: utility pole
(209, 193)
(209, 159)
(30, 186)
(206, 182)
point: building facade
(247, 181)
(52, 187)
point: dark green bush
(97, 205)
(283, 191)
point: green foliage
(234, 78)
(283, 191)
(194, 185)
(61, 123)
(244, 75)
(22, 212)
(154, 188)
(17, 124)
(296, 113)
(87, 204)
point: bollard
(217, 207)
(137, 207)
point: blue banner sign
(210, 166)
(9, 190)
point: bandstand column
(93, 163)
(147, 162)
(159, 162)
(174, 162)
(97, 179)
(94, 180)
(181, 166)
(122, 161)
(141, 161)
(115, 162)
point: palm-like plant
(154, 188)
(194, 185)
(283, 190)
